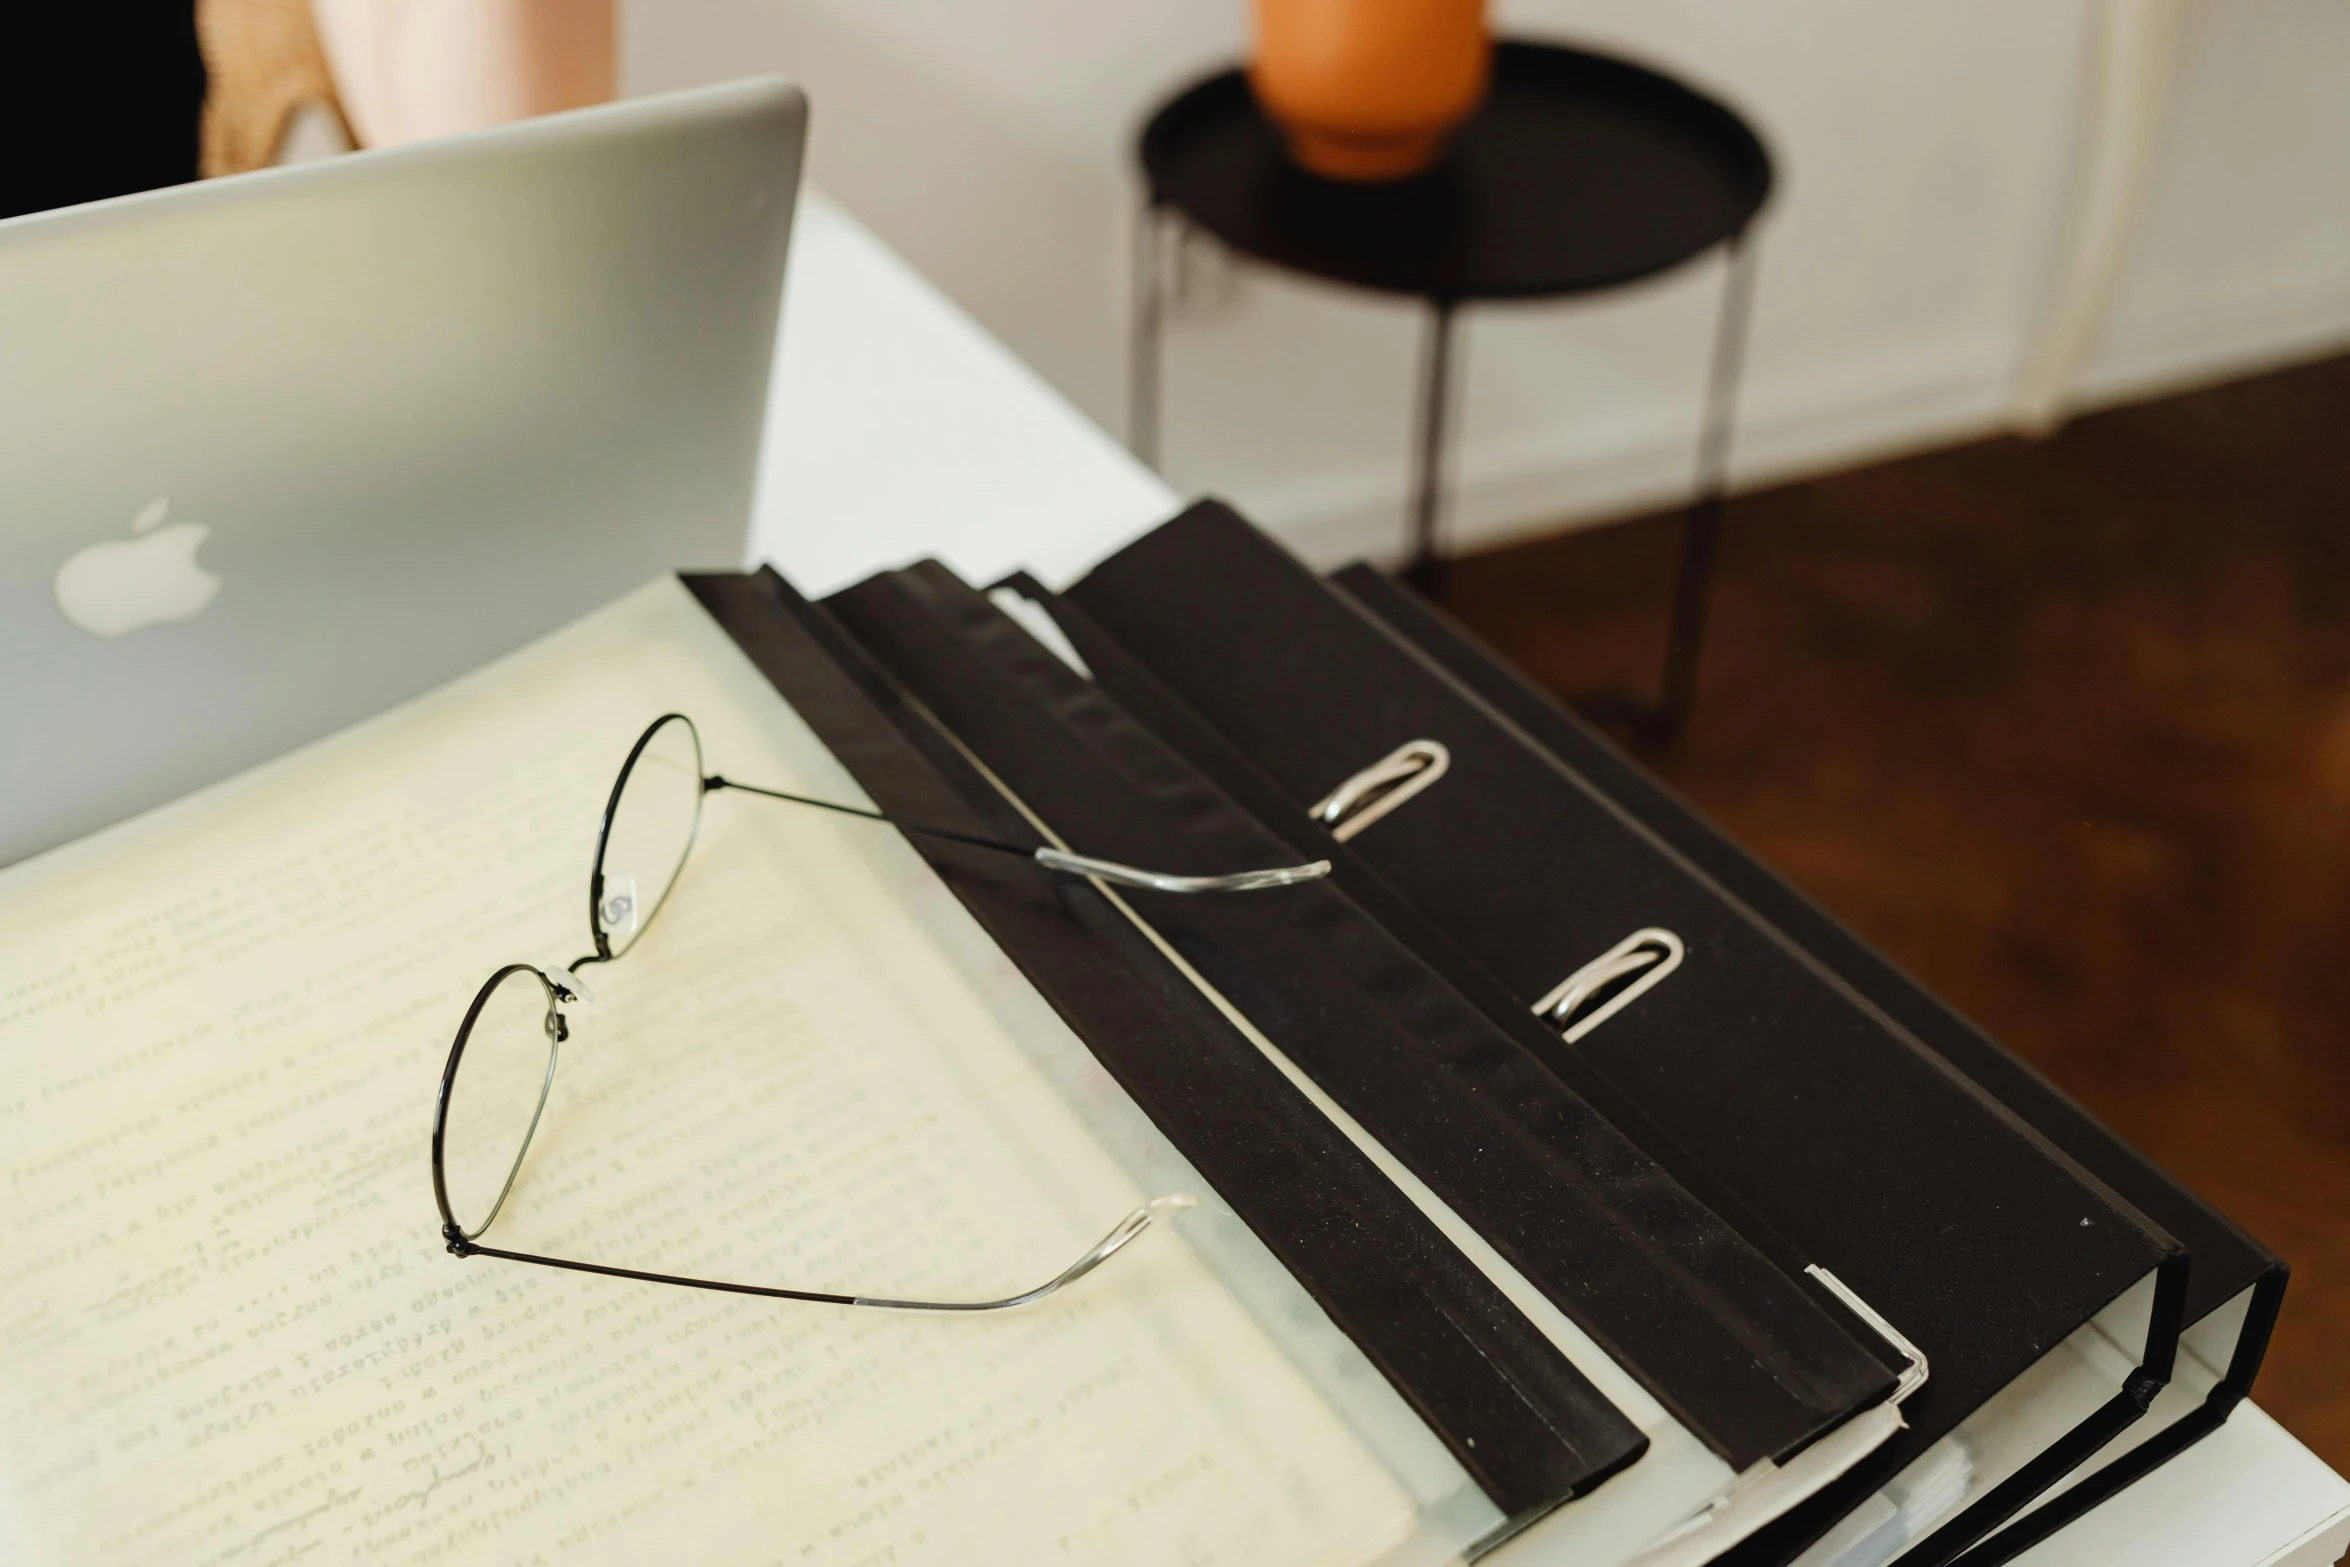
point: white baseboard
(1641, 459)
(2219, 337)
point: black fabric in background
(1525, 1424)
(2224, 1260)
(1941, 1207)
(97, 98)
(1735, 1348)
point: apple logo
(127, 585)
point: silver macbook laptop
(280, 450)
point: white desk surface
(897, 429)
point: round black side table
(1577, 173)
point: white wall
(1926, 153)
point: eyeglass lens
(498, 1093)
(655, 808)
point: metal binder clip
(1381, 787)
(1656, 951)
(1914, 1375)
(1162, 881)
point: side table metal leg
(1142, 348)
(1701, 528)
(1425, 568)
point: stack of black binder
(1544, 1045)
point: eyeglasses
(501, 1069)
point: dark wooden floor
(2065, 729)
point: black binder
(1755, 1360)
(1526, 1425)
(1756, 1066)
(2235, 1285)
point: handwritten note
(229, 1333)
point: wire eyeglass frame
(564, 987)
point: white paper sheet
(229, 1332)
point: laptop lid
(280, 450)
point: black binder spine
(1116, 668)
(2112, 1479)
(1311, 687)
(1528, 1427)
(1165, 713)
(1742, 1354)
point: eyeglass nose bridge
(568, 987)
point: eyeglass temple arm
(1059, 859)
(1124, 1231)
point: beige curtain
(2134, 55)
